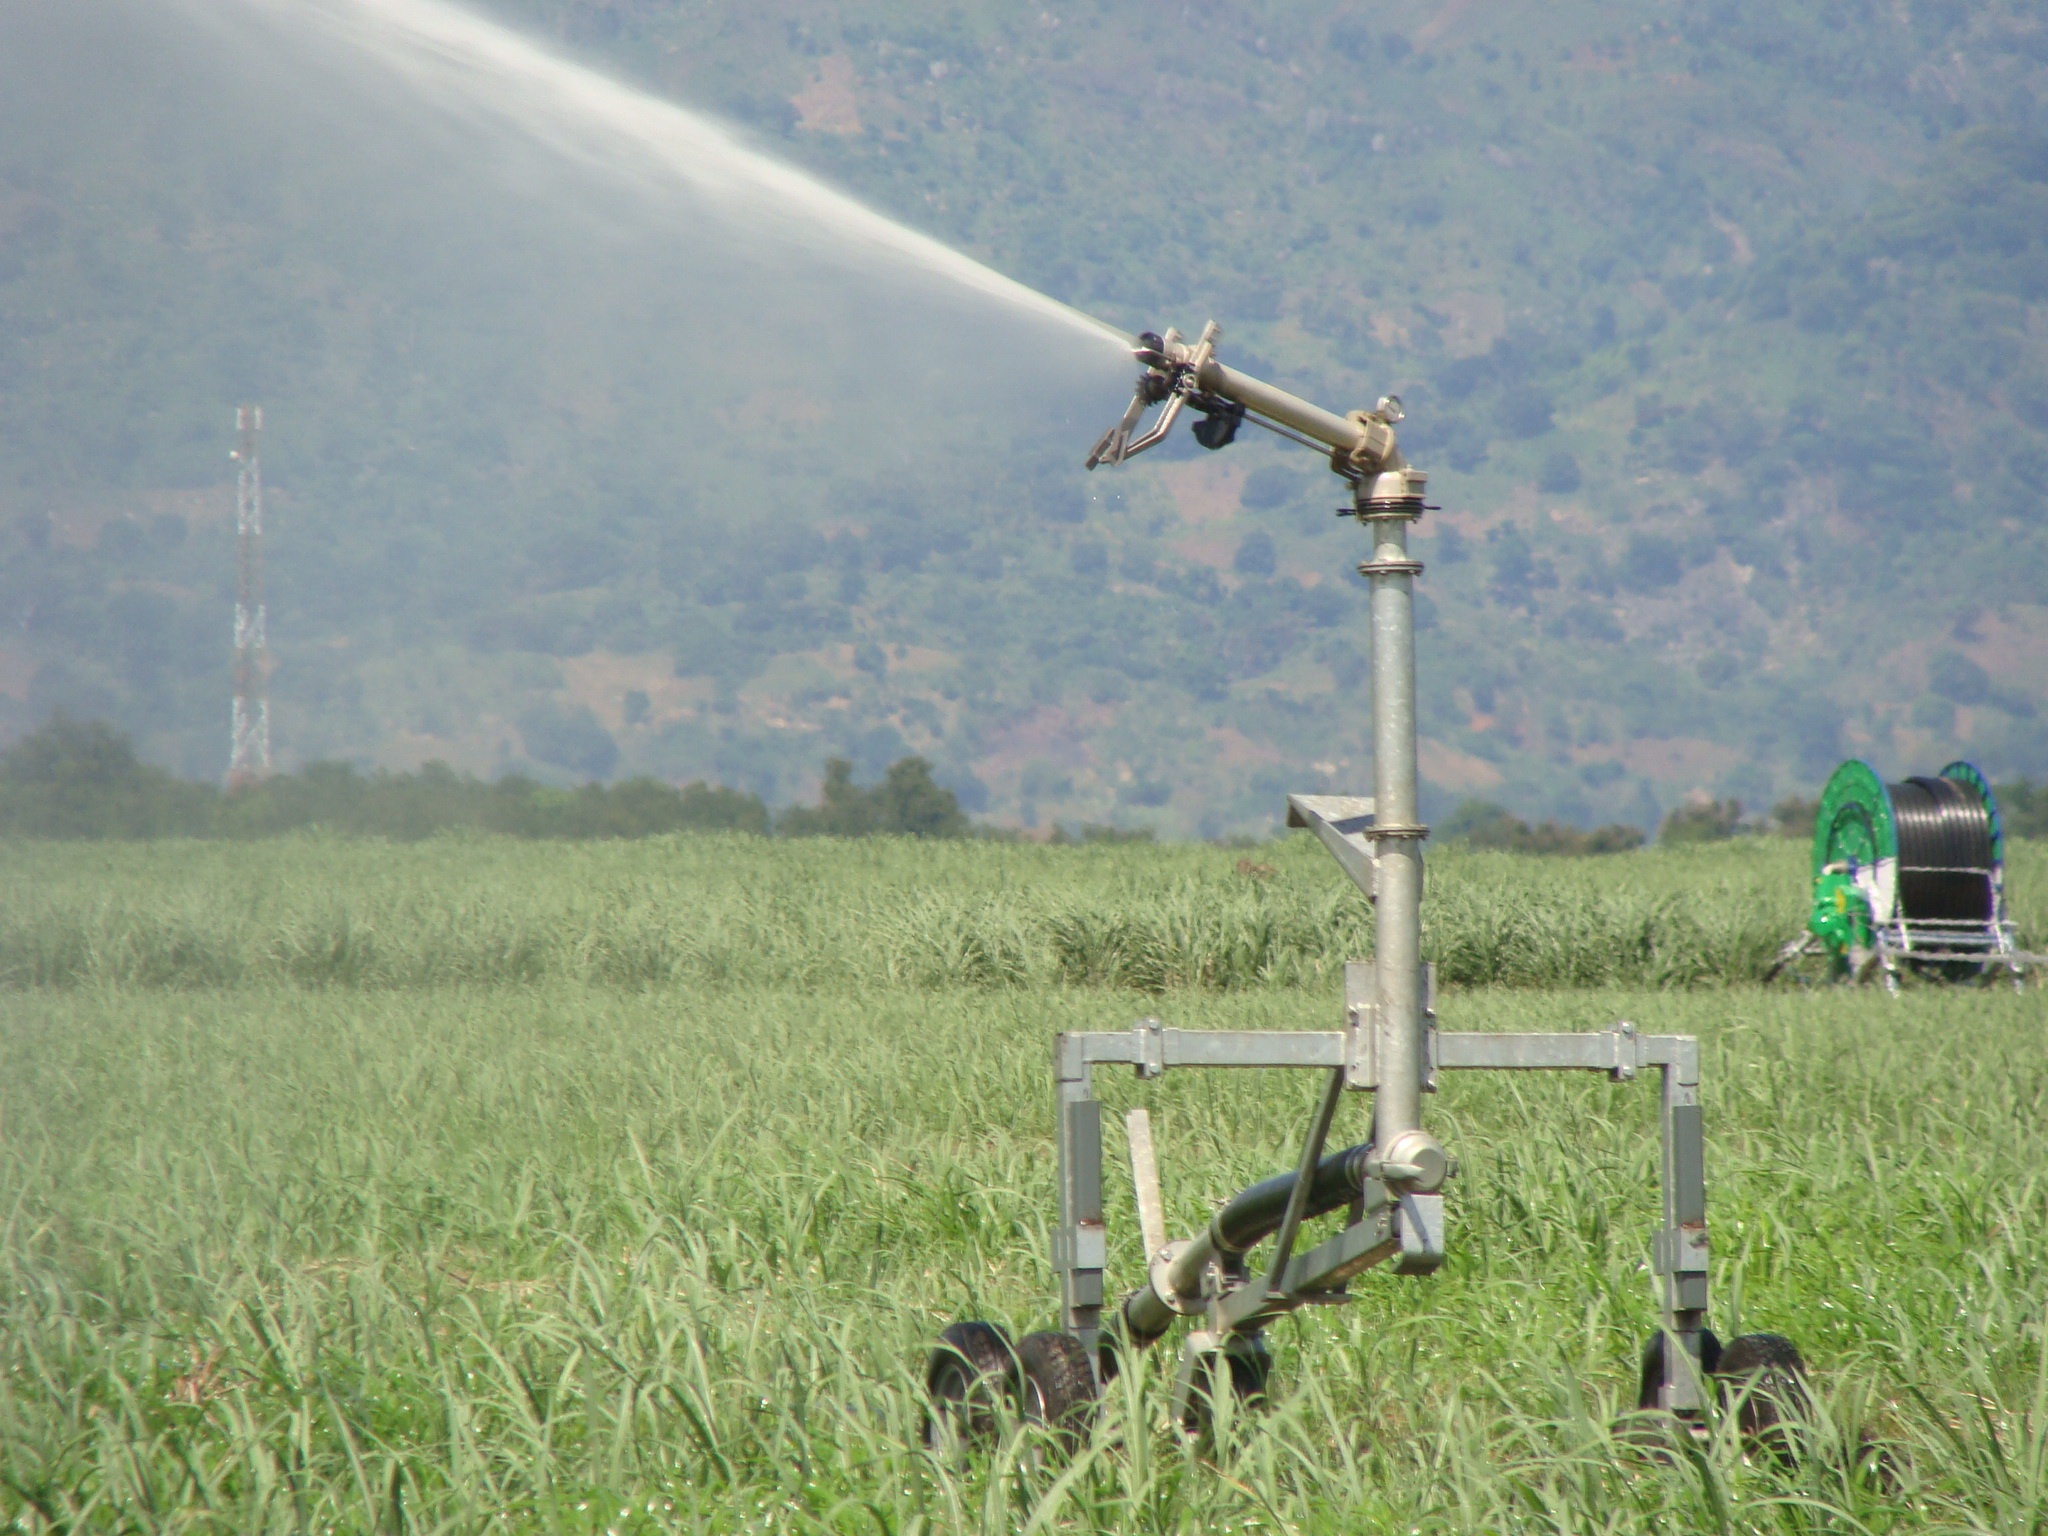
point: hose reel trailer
(1214, 1286)
(1909, 876)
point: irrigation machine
(1389, 1188)
(1908, 877)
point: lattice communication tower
(249, 748)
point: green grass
(428, 1245)
(880, 912)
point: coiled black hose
(1944, 832)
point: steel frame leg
(1079, 1246)
(1681, 1251)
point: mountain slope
(1722, 329)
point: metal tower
(249, 749)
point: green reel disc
(1854, 824)
(1855, 847)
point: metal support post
(1080, 1248)
(1386, 504)
(1681, 1253)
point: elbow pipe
(1244, 1222)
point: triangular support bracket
(1344, 825)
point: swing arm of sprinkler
(1390, 1187)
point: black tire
(1250, 1371)
(1249, 1364)
(1058, 1388)
(973, 1382)
(1109, 1359)
(1651, 1381)
(1762, 1376)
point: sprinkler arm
(1179, 374)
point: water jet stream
(468, 67)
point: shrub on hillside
(569, 738)
(2023, 808)
(1793, 816)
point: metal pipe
(1326, 427)
(1249, 1218)
(1304, 1178)
(1397, 829)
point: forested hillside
(1723, 329)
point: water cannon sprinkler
(1391, 1186)
(1178, 375)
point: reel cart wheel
(972, 1381)
(1761, 1377)
(980, 1383)
(1058, 1387)
(1248, 1363)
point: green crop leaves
(736, 911)
(570, 1257)
(470, 1185)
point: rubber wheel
(972, 1381)
(1250, 1364)
(1058, 1386)
(1652, 1379)
(1250, 1371)
(1763, 1377)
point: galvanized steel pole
(1387, 503)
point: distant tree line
(908, 802)
(83, 780)
(1482, 824)
(2022, 807)
(72, 779)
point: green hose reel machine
(1908, 876)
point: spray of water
(474, 71)
(544, 360)
(404, 222)
(582, 283)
